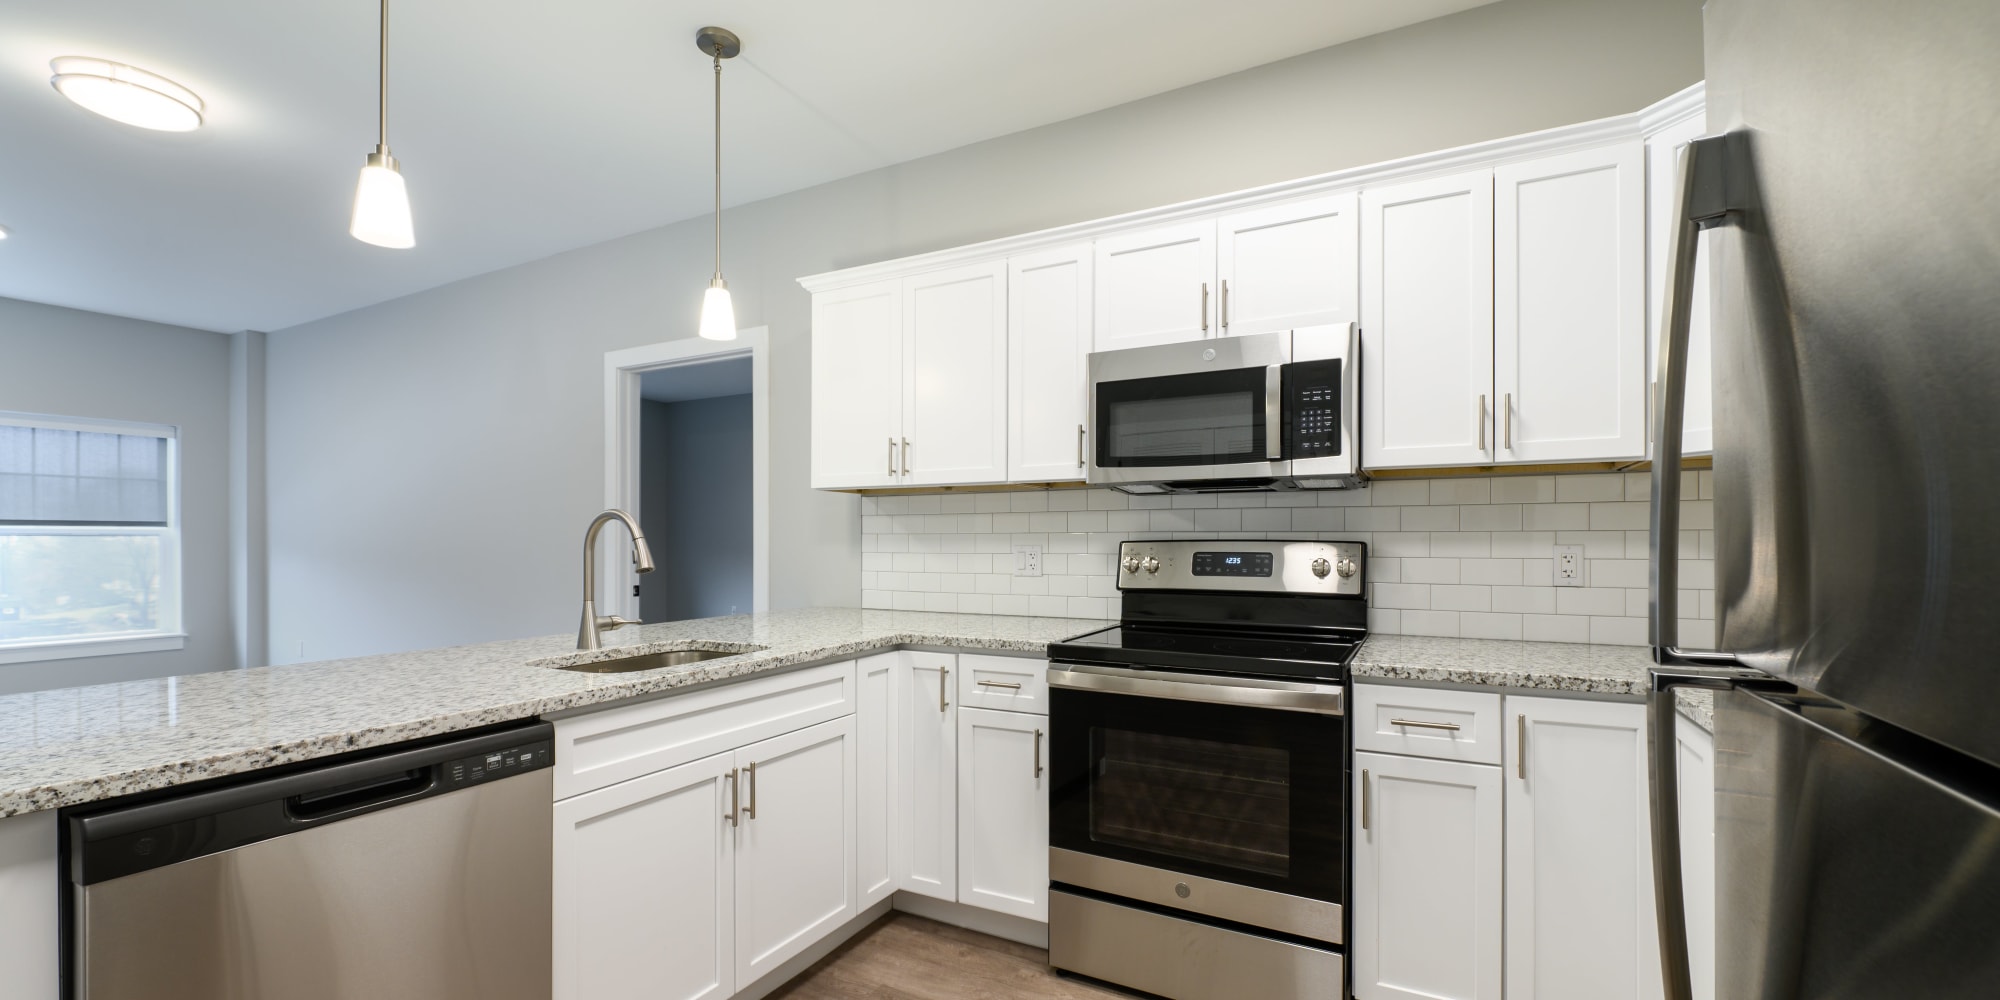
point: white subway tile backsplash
(1457, 556)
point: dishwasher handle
(321, 805)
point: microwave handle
(1274, 412)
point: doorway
(686, 435)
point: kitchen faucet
(642, 560)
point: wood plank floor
(902, 957)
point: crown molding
(1481, 154)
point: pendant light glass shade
(382, 205)
(718, 313)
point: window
(89, 538)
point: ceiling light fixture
(381, 201)
(126, 93)
(3, 232)
(718, 314)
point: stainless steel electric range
(1198, 818)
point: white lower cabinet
(874, 778)
(795, 844)
(1696, 770)
(645, 895)
(924, 841)
(1003, 812)
(1580, 918)
(1427, 870)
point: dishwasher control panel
(494, 764)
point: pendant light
(718, 314)
(381, 202)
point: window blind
(70, 476)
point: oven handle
(1250, 692)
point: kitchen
(1438, 240)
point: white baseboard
(1001, 925)
(804, 960)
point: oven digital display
(1232, 564)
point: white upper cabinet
(954, 380)
(1048, 338)
(1569, 308)
(857, 386)
(1156, 286)
(1427, 322)
(1288, 266)
(1580, 920)
(1003, 812)
(1427, 869)
(1662, 168)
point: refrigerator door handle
(1700, 197)
(1663, 783)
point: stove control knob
(1321, 568)
(1347, 569)
(1131, 564)
(1152, 565)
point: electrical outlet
(1569, 566)
(1027, 560)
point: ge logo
(1208, 355)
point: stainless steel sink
(654, 661)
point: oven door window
(1207, 418)
(1244, 795)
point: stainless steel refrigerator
(1849, 204)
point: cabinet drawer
(1008, 683)
(1425, 722)
(603, 748)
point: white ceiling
(527, 128)
(686, 383)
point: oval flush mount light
(127, 94)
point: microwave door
(1217, 424)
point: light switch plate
(1569, 571)
(1027, 560)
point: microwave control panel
(1312, 408)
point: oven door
(1212, 409)
(1234, 811)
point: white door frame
(621, 456)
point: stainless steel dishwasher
(416, 872)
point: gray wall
(694, 504)
(73, 363)
(483, 400)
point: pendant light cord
(718, 157)
(382, 83)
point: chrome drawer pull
(1420, 724)
(1000, 684)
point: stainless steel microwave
(1271, 411)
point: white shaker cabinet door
(1427, 322)
(1048, 338)
(1003, 812)
(644, 887)
(857, 386)
(1580, 920)
(1569, 337)
(874, 777)
(955, 376)
(795, 844)
(1695, 767)
(925, 839)
(1289, 266)
(1427, 870)
(1156, 286)
(1662, 173)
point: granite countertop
(77, 745)
(1551, 666)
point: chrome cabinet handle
(944, 681)
(1420, 724)
(1507, 411)
(1079, 446)
(1225, 305)
(892, 456)
(1204, 307)
(1001, 684)
(750, 811)
(1521, 747)
(906, 456)
(1364, 798)
(1479, 416)
(734, 792)
(1038, 753)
